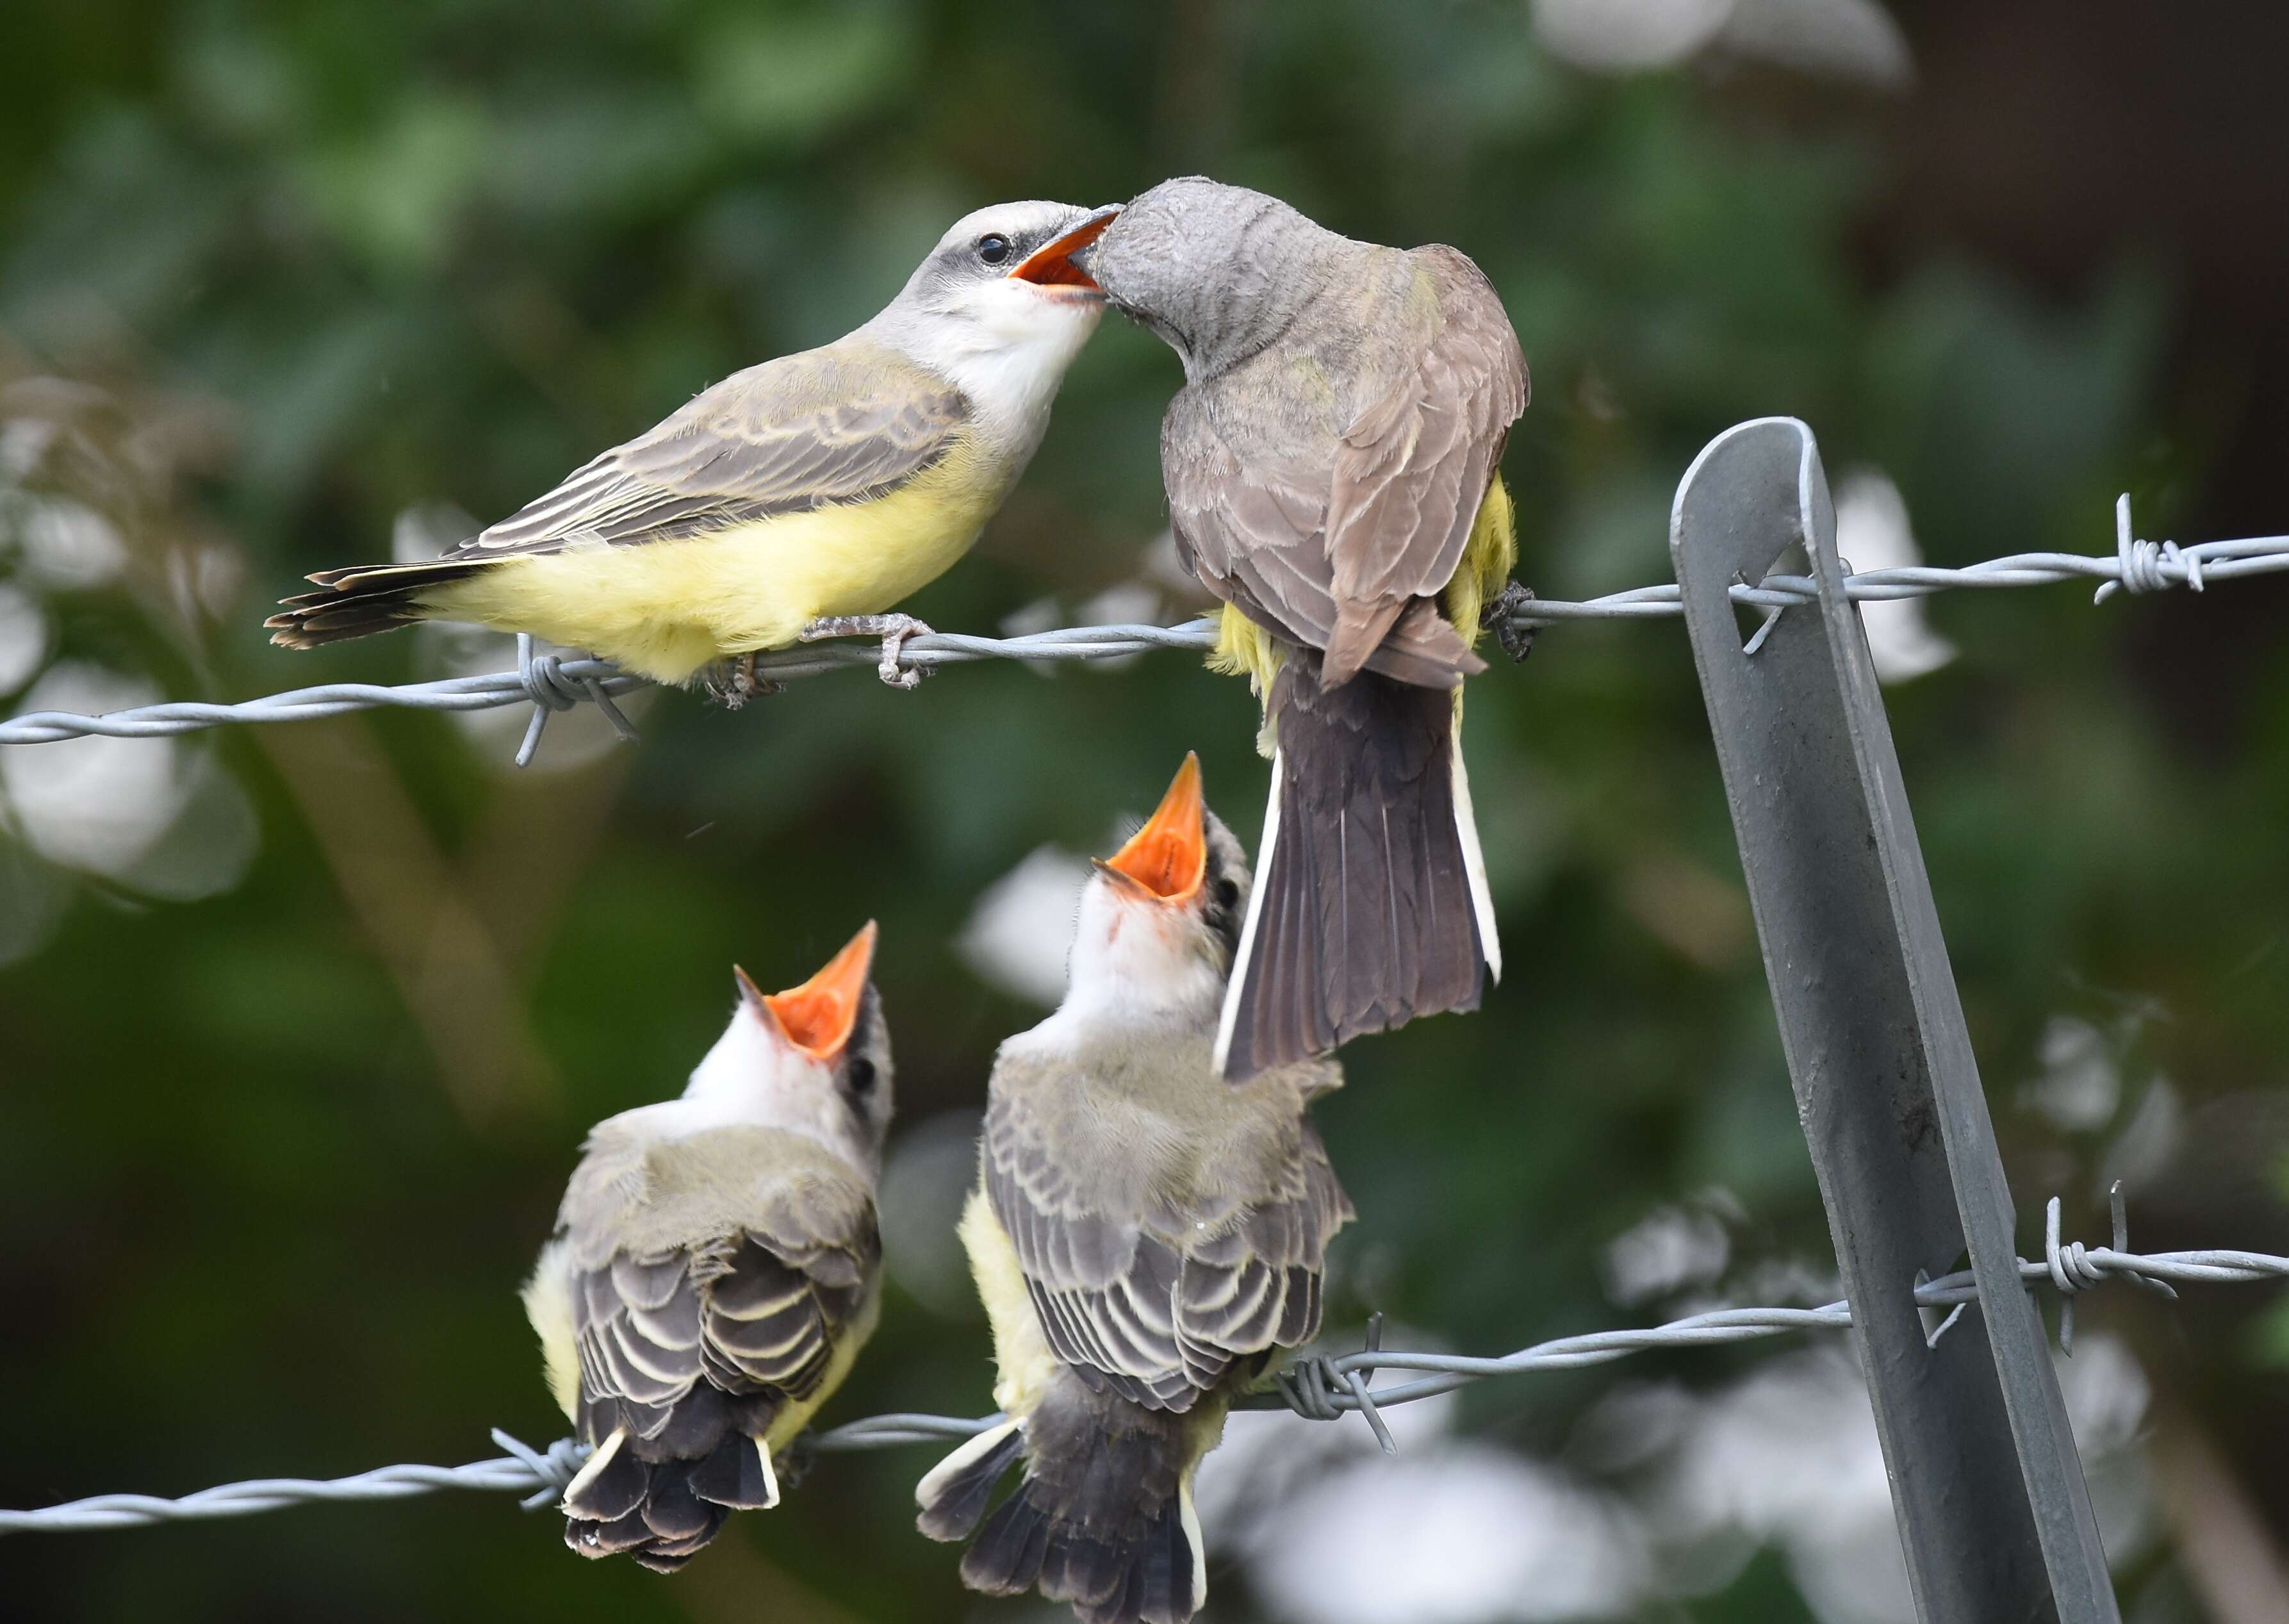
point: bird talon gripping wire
(892, 629)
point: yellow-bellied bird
(1147, 1239)
(716, 1267)
(809, 494)
(1331, 465)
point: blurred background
(300, 1027)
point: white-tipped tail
(770, 1477)
(1230, 1018)
(1191, 1516)
(597, 1463)
(972, 1451)
(1474, 860)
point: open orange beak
(817, 1017)
(1168, 857)
(1051, 265)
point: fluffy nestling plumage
(716, 1268)
(1147, 1239)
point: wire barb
(1318, 1388)
(546, 684)
(1309, 1385)
(551, 682)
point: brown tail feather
(1099, 1519)
(1364, 918)
(662, 1512)
(363, 600)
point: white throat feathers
(754, 1077)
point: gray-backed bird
(1145, 1237)
(716, 1267)
(1332, 470)
(803, 496)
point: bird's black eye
(860, 1077)
(1227, 893)
(993, 248)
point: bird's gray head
(998, 307)
(1217, 271)
(1161, 918)
(814, 1060)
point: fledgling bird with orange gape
(1147, 1239)
(717, 1266)
(801, 498)
(1332, 470)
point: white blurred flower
(68, 546)
(1460, 1532)
(1020, 930)
(23, 638)
(208, 846)
(929, 1173)
(24, 443)
(1670, 1248)
(1122, 603)
(96, 804)
(2080, 1085)
(1030, 619)
(1873, 533)
(2150, 1140)
(1160, 565)
(1841, 39)
(421, 533)
(1789, 1458)
(1622, 35)
(1845, 39)
(150, 814)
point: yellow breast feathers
(666, 608)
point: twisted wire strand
(1316, 1387)
(554, 682)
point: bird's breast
(664, 609)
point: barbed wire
(553, 682)
(1319, 1387)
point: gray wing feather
(751, 1311)
(842, 424)
(1159, 1307)
(1330, 553)
(1413, 470)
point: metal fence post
(1993, 1516)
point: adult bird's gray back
(1331, 471)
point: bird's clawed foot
(892, 629)
(793, 1463)
(737, 680)
(1499, 617)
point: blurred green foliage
(272, 1165)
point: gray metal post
(1993, 1516)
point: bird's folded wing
(749, 1309)
(842, 424)
(1253, 531)
(1157, 1305)
(1330, 553)
(1413, 468)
